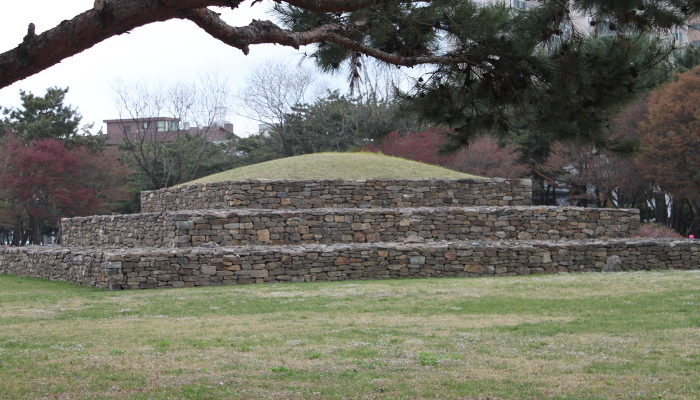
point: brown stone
(342, 261)
(263, 235)
(473, 268)
(358, 237)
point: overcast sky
(158, 54)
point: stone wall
(259, 232)
(339, 194)
(151, 268)
(129, 230)
(82, 266)
(251, 226)
(264, 264)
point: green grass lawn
(345, 166)
(581, 336)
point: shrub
(654, 230)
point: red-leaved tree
(418, 146)
(594, 176)
(43, 181)
(670, 142)
(485, 157)
(105, 175)
(482, 157)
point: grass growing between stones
(583, 336)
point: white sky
(159, 54)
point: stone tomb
(275, 231)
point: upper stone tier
(339, 194)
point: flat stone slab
(234, 227)
(144, 268)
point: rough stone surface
(340, 194)
(158, 267)
(258, 232)
(252, 226)
(84, 266)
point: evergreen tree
(492, 68)
(488, 67)
(46, 117)
(332, 123)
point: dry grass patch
(587, 336)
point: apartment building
(682, 36)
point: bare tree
(274, 89)
(173, 126)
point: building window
(696, 43)
(146, 125)
(126, 128)
(160, 127)
(519, 4)
(172, 126)
(695, 26)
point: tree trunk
(25, 235)
(538, 195)
(34, 231)
(676, 220)
(58, 232)
(17, 233)
(661, 209)
(694, 228)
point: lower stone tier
(157, 267)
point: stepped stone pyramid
(275, 231)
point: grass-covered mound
(345, 166)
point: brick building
(162, 130)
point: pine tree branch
(70, 37)
(110, 18)
(267, 32)
(340, 5)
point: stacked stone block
(340, 225)
(85, 266)
(339, 194)
(146, 268)
(262, 231)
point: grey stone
(114, 265)
(208, 269)
(184, 225)
(418, 260)
(613, 264)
